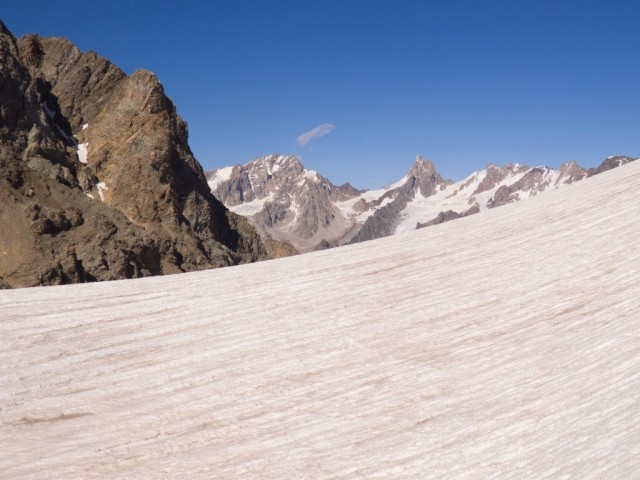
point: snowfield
(502, 345)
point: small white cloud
(319, 131)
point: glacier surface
(505, 345)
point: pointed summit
(4, 30)
(423, 162)
(425, 176)
(422, 166)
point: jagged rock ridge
(288, 202)
(285, 201)
(97, 180)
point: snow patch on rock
(101, 186)
(82, 152)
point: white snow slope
(511, 352)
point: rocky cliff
(97, 181)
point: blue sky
(462, 83)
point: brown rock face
(97, 180)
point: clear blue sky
(462, 83)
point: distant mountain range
(286, 201)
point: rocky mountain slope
(285, 201)
(97, 180)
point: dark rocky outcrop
(97, 180)
(609, 163)
(447, 216)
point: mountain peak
(4, 30)
(420, 160)
(422, 165)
